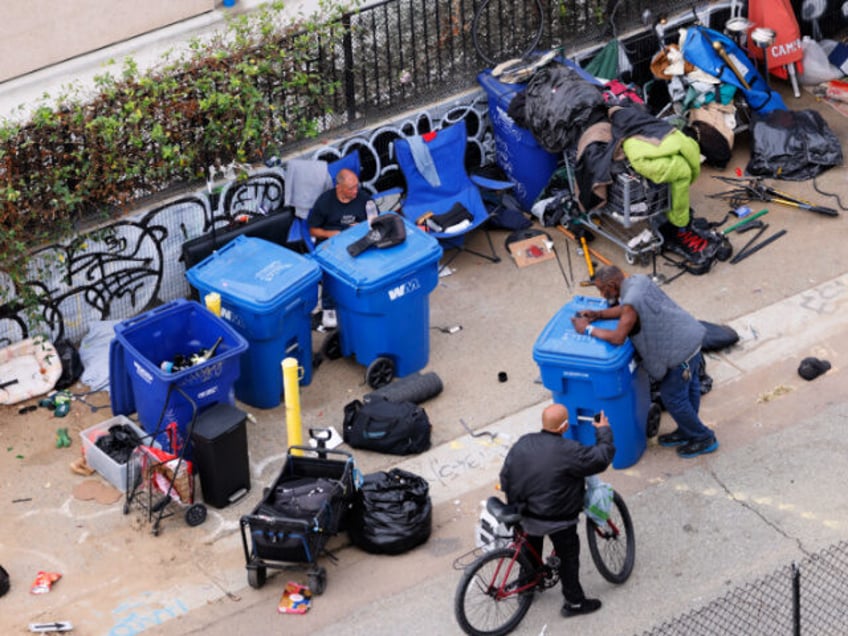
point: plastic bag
(392, 512)
(597, 501)
(94, 354)
(817, 68)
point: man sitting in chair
(335, 210)
(338, 208)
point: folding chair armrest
(491, 184)
(396, 192)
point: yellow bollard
(291, 377)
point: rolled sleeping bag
(416, 387)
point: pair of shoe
(329, 320)
(586, 606)
(686, 447)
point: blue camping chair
(436, 180)
(299, 231)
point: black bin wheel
(380, 372)
(256, 576)
(318, 580)
(331, 348)
(195, 515)
(653, 424)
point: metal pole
(796, 600)
(291, 388)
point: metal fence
(399, 54)
(810, 598)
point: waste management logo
(402, 290)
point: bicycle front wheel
(504, 29)
(613, 545)
(492, 595)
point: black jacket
(545, 471)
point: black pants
(567, 546)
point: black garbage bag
(792, 145)
(559, 105)
(72, 367)
(392, 512)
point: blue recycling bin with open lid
(382, 297)
(267, 293)
(588, 375)
(168, 402)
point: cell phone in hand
(597, 417)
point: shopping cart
(281, 534)
(160, 482)
(635, 209)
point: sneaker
(701, 447)
(677, 438)
(586, 606)
(329, 320)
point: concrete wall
(38, 33)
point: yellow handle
(587, 257)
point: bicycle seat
(507, 514)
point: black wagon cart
(298, 514)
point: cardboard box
(531, 250)
(112, 471)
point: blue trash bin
(143, 343)
(267, 293)
(516, 150)
(382, 297)
(588, 375)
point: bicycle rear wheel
(504, 29)
(613, 545)
(487, 601)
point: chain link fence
(809, 599)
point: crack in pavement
(760, 514)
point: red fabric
(778, 16)
(429, 136)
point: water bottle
(371, 211)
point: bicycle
(498, 586)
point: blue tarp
(698, 49)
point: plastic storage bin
(588, 375)
(115, 473)
(382, 297)
(516, 151)
(144, 342)
(267, 294)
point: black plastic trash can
(220, 454)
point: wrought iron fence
(799, 599)
(399, 54)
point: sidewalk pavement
(771, 495)
(19, 97)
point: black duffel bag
(392, 512)
(397, 428)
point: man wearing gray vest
(668, 339)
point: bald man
(338, 208)
(544, 472)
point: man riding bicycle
(545, 472)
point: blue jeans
(682, 399)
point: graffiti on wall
(134, 264)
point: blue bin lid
(375, 267)
(559, 344)
(255, 273)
